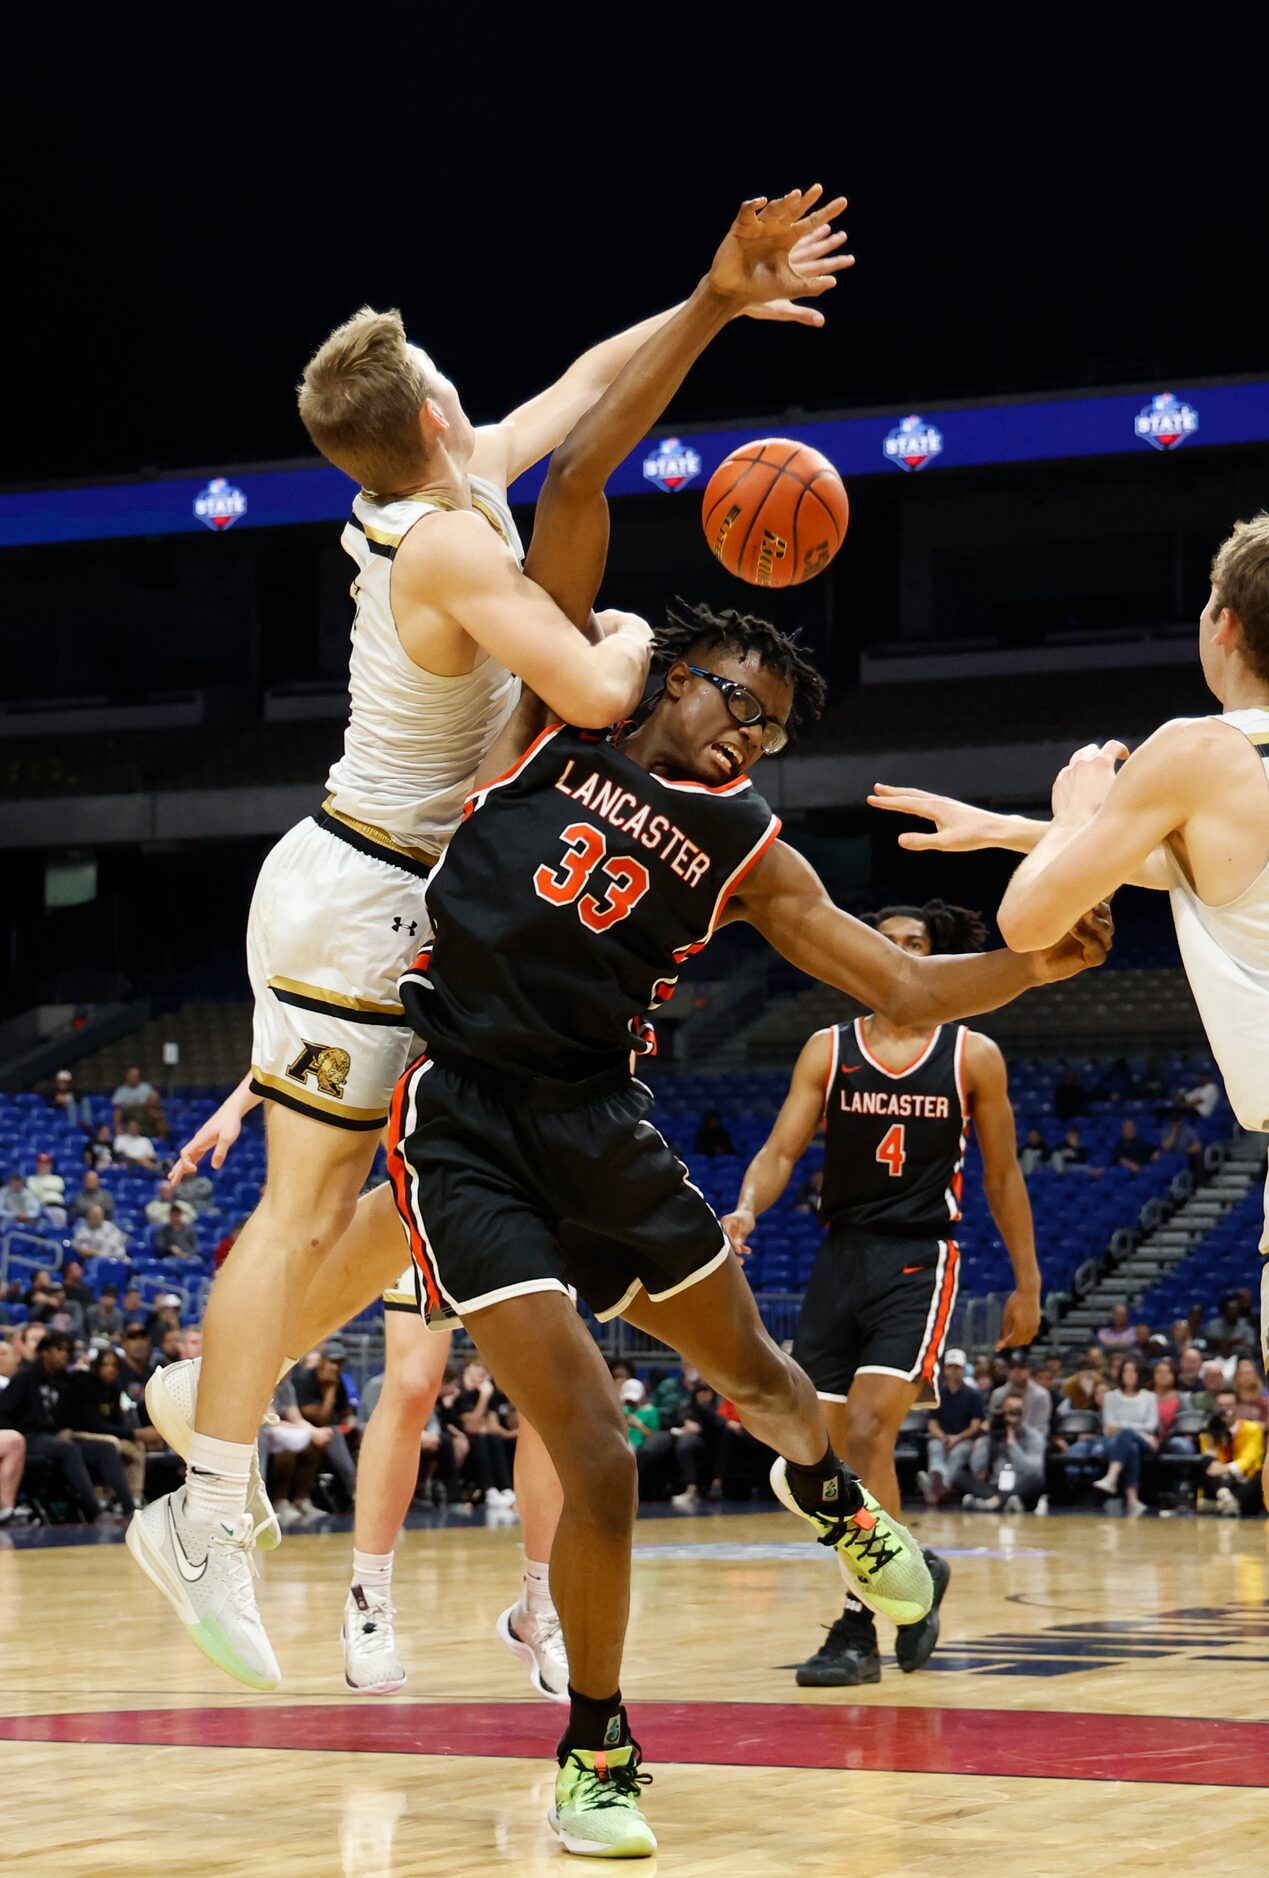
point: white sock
(536, 1596)
(373, 1572)
(216, 1478)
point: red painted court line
(1026, 1744)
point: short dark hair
(951, 928)
(697, 629)
(57, 1340)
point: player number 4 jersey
(895, 1138)
(567, 901)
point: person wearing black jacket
(33, 1404)
(697, 1435)
(95, 1405)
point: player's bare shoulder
(444, 559)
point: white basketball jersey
(1225, 951)
(414, 739)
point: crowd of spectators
(1064, 1150)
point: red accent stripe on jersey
(730, 885)
(908, 1068)
(477, 796)
(400, 1186)
(947, 1297)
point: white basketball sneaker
(371, 1663)
(537, 1640)
(171, 1396)
(206, 1573)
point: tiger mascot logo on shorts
(330, 1066)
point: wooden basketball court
(1100, 1701)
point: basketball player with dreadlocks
(896, 1102)
(587, 869)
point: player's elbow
(589, 697)
(1024, 928)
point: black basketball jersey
(568, 898)
(895, 1139)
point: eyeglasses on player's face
(745, 709)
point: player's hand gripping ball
(775, 512)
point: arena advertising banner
(928, 443)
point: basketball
(775, 512)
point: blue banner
(905, 443)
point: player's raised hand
(959, 828)
(1082, 787)
(777, 253)
(739, 1229)
(1083, 948)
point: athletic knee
(600, 1476)
(871, 1437)
(770, 1386)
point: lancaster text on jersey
(623, 809)
(929, 1108)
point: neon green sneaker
(879, 1559)
(596, 1811)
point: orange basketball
(775, 512)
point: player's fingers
(219, 1152)
(826, 212)
(1114, 748)
(918, 843)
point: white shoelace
(374, 1628)
(241, 1569)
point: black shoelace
(869, 1545)
(618, 1784)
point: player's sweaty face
(909, 935)
(715, 749)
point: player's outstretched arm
(786, 900)
(1105, 825)
(504, 451)
(960, 828)
(771, 1169)
(756, 266)
(987, 1083)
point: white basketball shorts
(336, 918)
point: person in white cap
(951, 1429)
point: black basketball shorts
(876, 1307)
(504, 1193)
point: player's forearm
(595, 369)
(1031, 914)
(635, 394)
(1010, 1207)
(612, 676)
(766, 1177)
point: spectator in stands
(169, 1346)
(1083, 1453)
(136, 1149)
(712, 1137)
(158, 1211)
(131, 1304)
(104, 1433)
(1117, 1084)
(100, 1150)
(74, 1285)
(1230, 1334)
(49, 1189)
(138, 1101)
(1204, 1096)
(12, 1450)
(67, 1103)
(1151, 1086)
(1079, 1389)
(1033, 1153)
(105, 1319)
(165, 1316)
(1131, 1151)
(1118, 1334)
(178, 1239)
(1235, 1444)
(1167, 1396)
(1008, 1462)
(642, 1419)
(33, 1405)
(138, 1363)
(92, 1193)
(98, 1237)
(697, 1434)
(323, 1400)
(1189, 1375)
(808, 1200)
(1249, 1387)
(1037, 1402)
(1071, 1154)
(1179, 1338)
(294, 1448)
(1130, 1424)
(951, 1432)
(1181, 1137)
(985, 1378)
(1070, 1098)
(191, 1342)
(18, 1205)
(1212, 1379)
(669, 1393)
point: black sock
(593, 1725)
(858, 1617)
(826, 1487)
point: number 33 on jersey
(609, 877)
